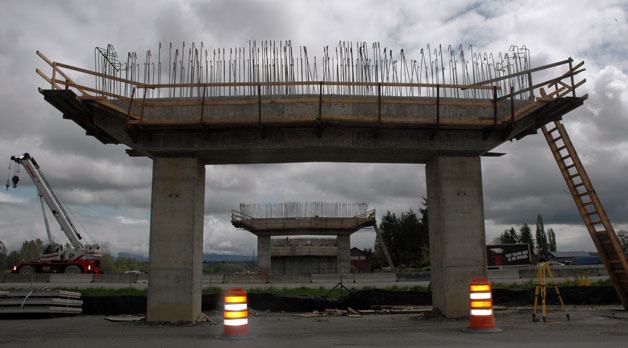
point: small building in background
(359, 261)
(575, 257)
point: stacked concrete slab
(40, 302)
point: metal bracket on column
(134, 132)
(319, 129)
(379, 111)
(259, 112)
(204, 125)
(487, 132)
(437, 126)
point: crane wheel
(28, 270)
(73, 270)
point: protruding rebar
(303, 209)
(271, 61)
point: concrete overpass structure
(295, 219)
(360, 116)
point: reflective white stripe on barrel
(236, 322)
(235, 306)
(480, 312)
(480, 295)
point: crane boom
(49, 196)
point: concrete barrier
(568, 271)
(210, 279)
(374, 277)
(503, 273)
(116, 278)
(289, 278)
(331, 278)
(414, 276)
(23, 278)
(71, 278)
(243, 279)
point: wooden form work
(140, 90)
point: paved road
(589, 327)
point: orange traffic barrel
(236, 315)
(481, 318)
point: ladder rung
(570, 166)
(596, 222)
(593, 213)
(573, 176)
(553, 129)
(578, 185)
(583, 194)
(561, 148)
(556, 139)
(587, 203)
(565, 157)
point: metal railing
(562, 85)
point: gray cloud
(110, 191)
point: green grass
(301, 291)
(104, 292)
(309, 292)
(312, 292)
(530, 284)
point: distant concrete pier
(295, 219)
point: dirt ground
(601, 326)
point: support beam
(176, 240)
(263, 255)
(343, 258)
(456, 227)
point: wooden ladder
(590, 207)
(379, 238)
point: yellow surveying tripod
(542, 272)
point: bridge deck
(259, 127)
(303, 225)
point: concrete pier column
(263, 255)
(176, 240)
(343, 257)
(456, 227)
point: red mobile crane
(55, 258)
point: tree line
(29, 251)
(541, 244)
(406, 238)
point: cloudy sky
(109, 192)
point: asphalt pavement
(598, 327)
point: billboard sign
(508, 254)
